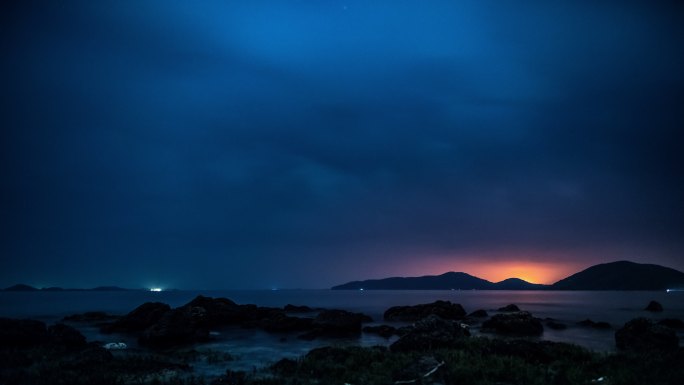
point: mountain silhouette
(446, 281)
(21, 287)
(621, 275)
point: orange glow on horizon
(528, 271)
(496, 271)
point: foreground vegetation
(477, 361)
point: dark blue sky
(256, 144)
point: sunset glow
(529, 271)
(496, 271)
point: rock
(641, 334)
(518, 324)
(340, 320)
(596, 325)
(555, 325)
(509, 308)
(297, 309)
(481, 313)
(432, 332)
(66, 336)
(139, 319)
(177, 327)
(381, 330)
(259, 314)
(285, 367)
(91, 316)
(221, 311)
(673, 323)
(22, 333)
(587, 322)
(336, 323)
(443, 309)
(654, 306)
(211, 305)
(115, 346)
(282, 323)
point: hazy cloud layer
(300, 143)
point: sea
(254, 349)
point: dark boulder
(219, 311)
(285, 367)
(443, 309)
(297, 309)
(431, 333)
(481, 313)
(177, 327)
(517, 324)
(91, 316)
(244, 315)
(222, 311)
(281, 323)
(22, 333)
(510, 308)
(340, 320)
(654, 306)
(673, 323)
(385, 331)
(140, 318)
(66, 336)
(252, 316)
(210, 304)
(641, 334)
(601, 325)
(555, 325)
(336, 323)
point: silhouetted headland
(621, 275)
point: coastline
(186, 356)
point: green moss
(480, 361)
(475, 361)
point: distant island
(620, 275)
(22, 287)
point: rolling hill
(620, 275)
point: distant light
(274, 289)
(667, 291)
(156, 289)
(360, 289)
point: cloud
(273, 141)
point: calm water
(255, 348)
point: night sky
(302, 144)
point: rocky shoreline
(434, 346)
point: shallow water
(254, 348)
